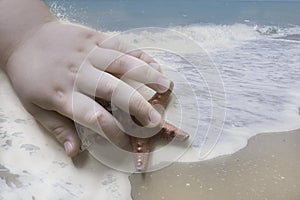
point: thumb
(62, 128)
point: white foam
(209, 37)
(48, 172)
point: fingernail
(155, 117)
(163, 84)
(155, 66)
(68, 147)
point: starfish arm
(141, 150)
(170, 132)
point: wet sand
(267, 168)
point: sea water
(254, 45)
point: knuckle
(50, 99)
(141, 106)
(95, 117)
(73, 68)
(100, 118)
(148, 74)
(136, 52)
(58, 131)
(143, 56)
(91, 117)
(90, 34)
(121, 61)
(60, 99)
(107, 90)
(100, 37)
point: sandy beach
(267, 168)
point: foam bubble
(209, 37)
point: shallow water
(231, 81)
(260, 74)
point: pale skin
(43, 59)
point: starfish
(142, 146)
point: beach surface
(33, 165)
(267, 168)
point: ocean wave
(218, 36)
(209, 37)
(277, 31)
(267, 30)
(291, 37)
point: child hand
(54, 81)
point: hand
(54, 81)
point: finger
(62, 128)
(90, 114)
(129, 67)
(110, 88)
(117, 45)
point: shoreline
(32, 164)
(267, 168)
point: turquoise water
(254, 45)
(123, 15)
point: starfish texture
(142, 146)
